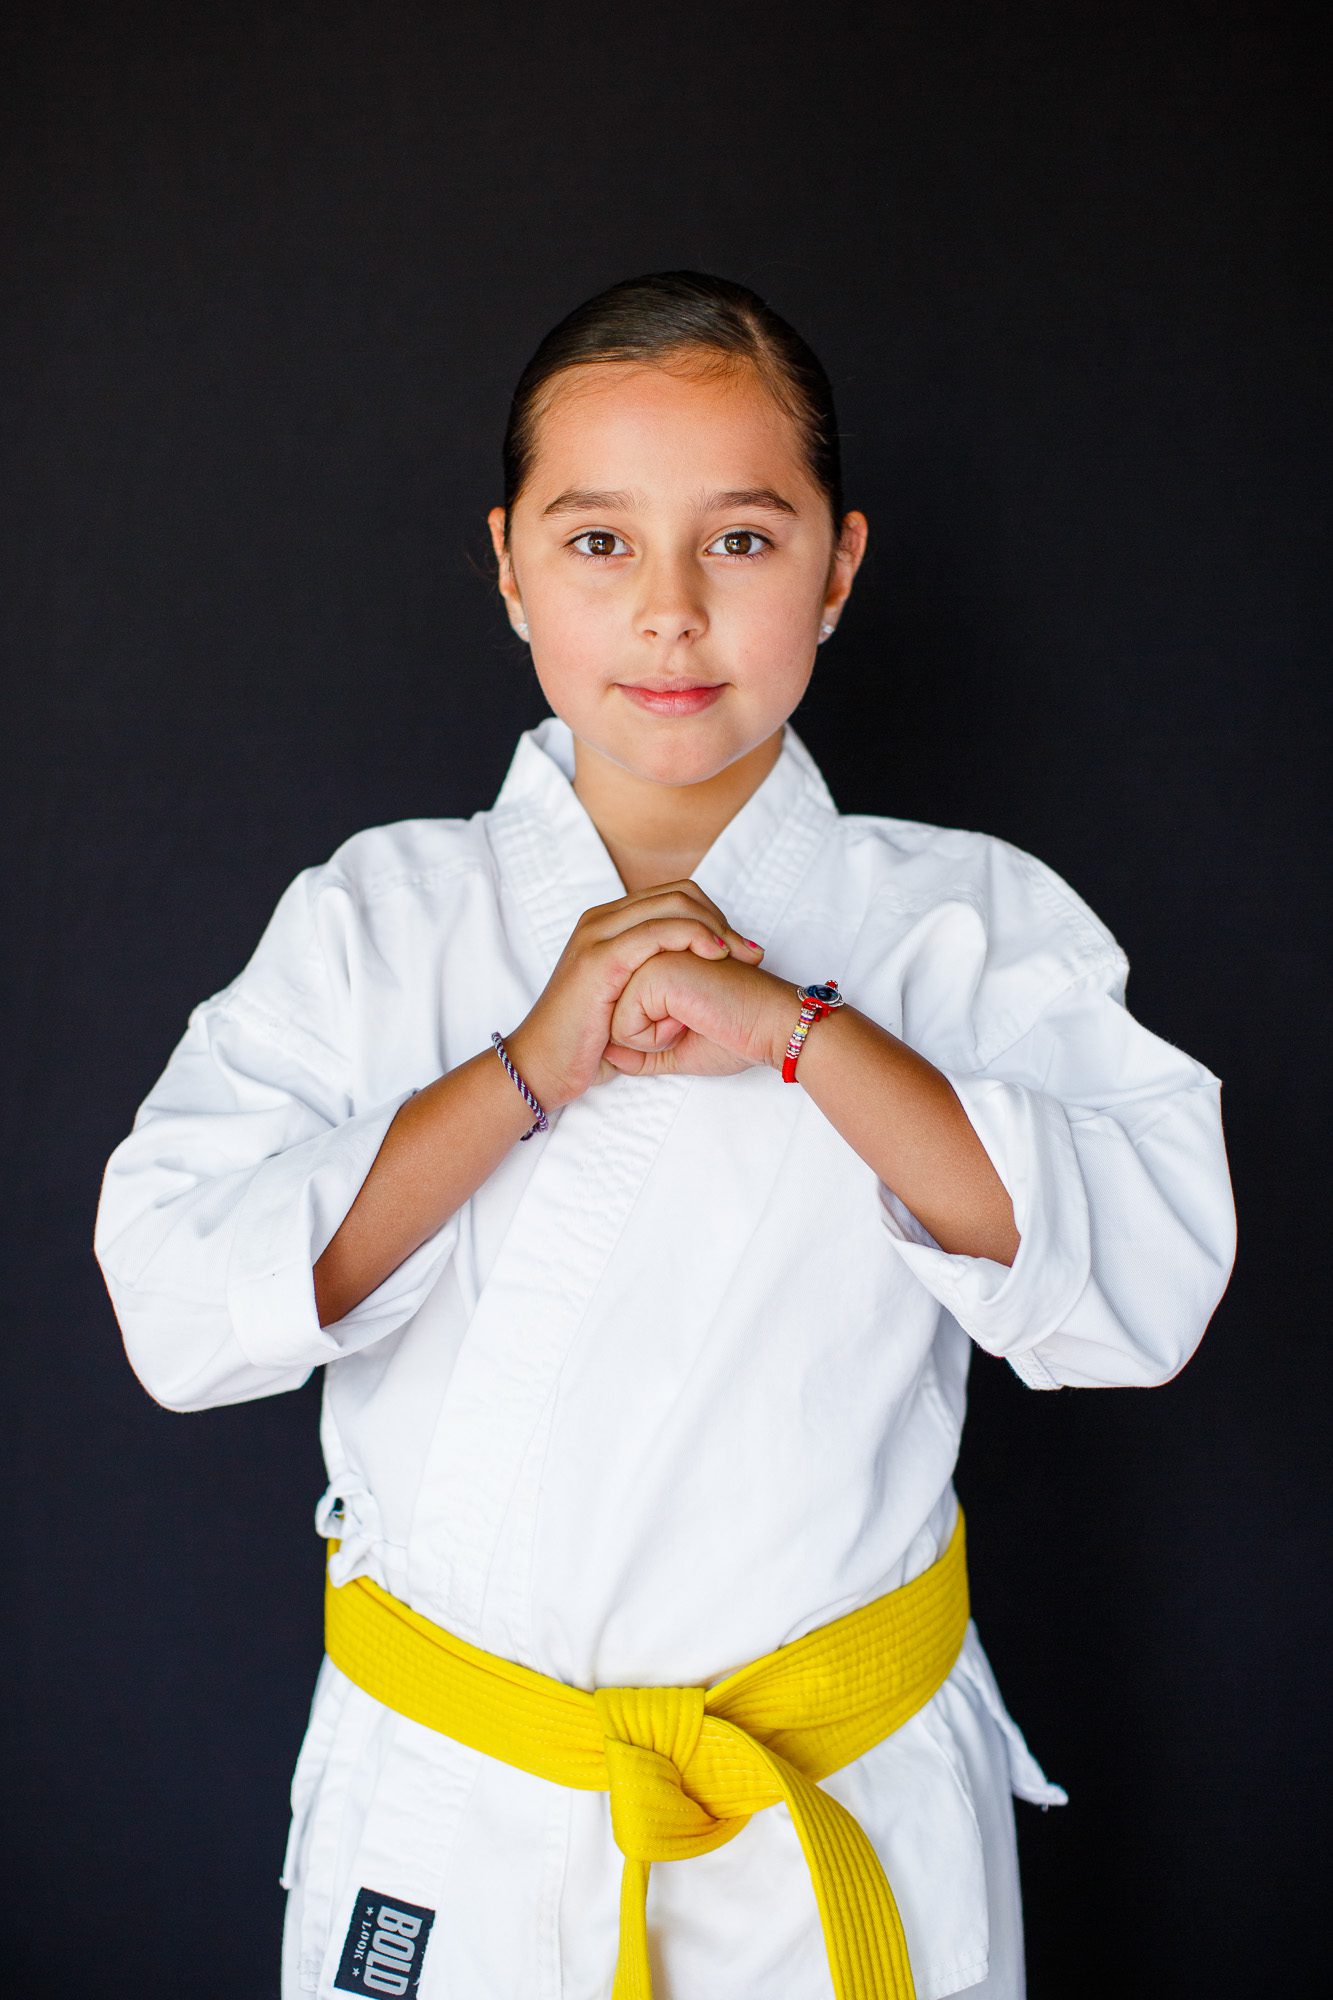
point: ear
(848, 551)
(505, 579)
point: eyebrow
(586, 500)
(749, 496)
(583, 500)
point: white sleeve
(241, 1164)
(1109, 1142)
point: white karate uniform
(683, 1379)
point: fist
(683, 1015)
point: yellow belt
(687, 1766)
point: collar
(550, 852)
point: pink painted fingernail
(753, 946)
(721, 940)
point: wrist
(541, 1081)
(782, 1011)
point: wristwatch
(816, 1001)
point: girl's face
(669, 536)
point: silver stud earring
(522, 631)
(825, 632)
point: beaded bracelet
(528, 1098)
(816, 1002)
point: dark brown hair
(663, 316)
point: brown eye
(599, 541)
(740, 542)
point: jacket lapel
(591, 1165)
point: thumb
(619, 1061)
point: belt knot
(650, 1735)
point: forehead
(628, 425)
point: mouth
(673, 699)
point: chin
(691, 764)
(690, 760)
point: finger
(624, 953)
(727, 929)
(650, 1062)
(636, 1026)
(662, 1034)
(617, 1060)
(670, 898)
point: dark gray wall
(271, 273)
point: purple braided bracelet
(528, 1098)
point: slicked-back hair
(670, 316)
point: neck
(655, 832)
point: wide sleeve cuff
(292, 1209)
(1009, 1309)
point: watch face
(828, 994)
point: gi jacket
(683, 1379)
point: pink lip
(673, 701)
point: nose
(671, 608)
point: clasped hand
(683, 1015)
(654, 983)
(680, 1014)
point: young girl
(641, 1158)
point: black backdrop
(272, 271)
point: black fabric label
(385, 1944)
